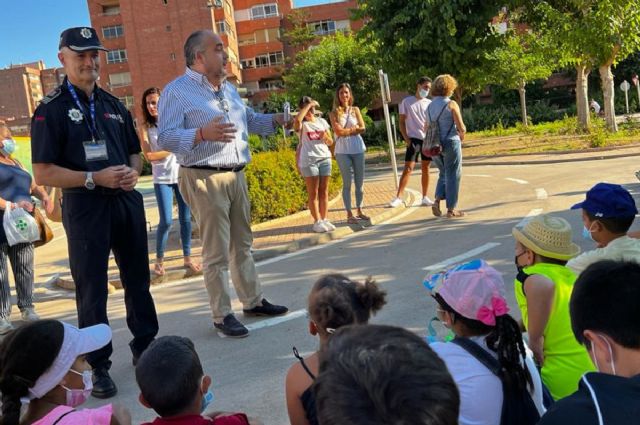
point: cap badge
(75, 115)
(85, 32)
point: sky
(31, 28)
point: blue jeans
(348, 162)
(449, 162)
(164, 197)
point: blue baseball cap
(606, 200)
(80, 39)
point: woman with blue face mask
(43, 365)
(16, 188)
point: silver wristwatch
(88, 183)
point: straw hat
(548, 236)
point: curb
(179, 273)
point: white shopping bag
(19, 226)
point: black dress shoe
(103, 385)
(231, 327)
(266, 309)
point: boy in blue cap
(607, 213)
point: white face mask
(595, 358)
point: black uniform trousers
(97, 222)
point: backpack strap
(446, 105)
(480, 354)
(63, 415)
(304, 365)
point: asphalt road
(248, 375)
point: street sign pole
(385, 95)
(634, 80)
(625, 86)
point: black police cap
(80, 39)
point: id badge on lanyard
(94, 149)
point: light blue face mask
(586, 233)
(207, 399)
(438, 332)
(424, 93)
(8, 147)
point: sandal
(435, 208)
(455, 214)
(362, 216)
(352, 220)
(158, 269)
(193, 267)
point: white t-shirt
(415, 112)
(480, 390)
(313, 147)
(620, 249)
(166, 170)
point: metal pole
(626, 99)
(638, 89)
(384, 95)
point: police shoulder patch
(52, 95)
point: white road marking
(458, 258)
(477, 175)
(541, 194)
(277, 320)
(519, 181)
(534, 212)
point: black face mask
(518, 267)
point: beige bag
(55, 194)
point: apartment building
(21, 90)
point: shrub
(484, 117)
(276, 189)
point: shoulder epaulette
(51, 95)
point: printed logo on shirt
(315, 135)
(117, 117)
(75, 115)
(39, 118)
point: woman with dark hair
(348, 125)
(314, 161)
(165, 183)
(334, 301)
(44, 362)
(495, 373)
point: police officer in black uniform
(83, 140)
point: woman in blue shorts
(314, 161)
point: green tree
(418, 37)
(299, 35)
(523, 57)
(337, 59)
(592, 33)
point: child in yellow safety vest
(543, 288)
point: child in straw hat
(543, 288)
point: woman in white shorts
(314, 161)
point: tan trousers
(220, 205)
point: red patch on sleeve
(39, 118)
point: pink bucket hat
(474, 290)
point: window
(167, 28)
(111, 10)
(248, 63)
(172, 56)
(113, 31)
(272, 85)
(262, 61)
(245, 40)
(323, 27)
(120, 79)
(273, 34)
(117, 56)
(264, 11)
(127, 101)
(276, 58)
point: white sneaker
(426, 201)
(319, 227)
(29, 315)
(329, 225)
(396, 203)
(5, 326)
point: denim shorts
(319, 167)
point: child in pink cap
(487, 358)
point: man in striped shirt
(203, 120)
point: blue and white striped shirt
(188, 103)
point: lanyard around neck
(92, 110)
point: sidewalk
(272, 238)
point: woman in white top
(314, 161)
(165, 183)
(471, 303)
(348, 125)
